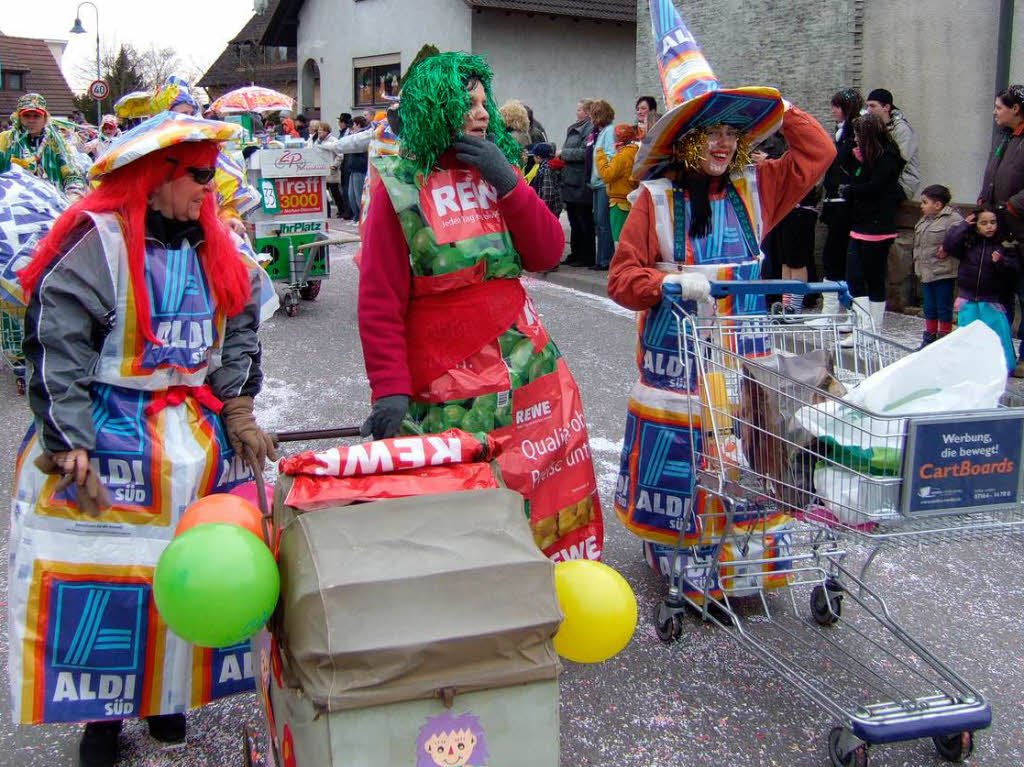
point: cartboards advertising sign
(965, 463)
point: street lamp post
(78, 29)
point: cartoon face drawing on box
(452, 741)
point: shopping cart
(752, 466)
(12, 318)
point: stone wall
(808, 49)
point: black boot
(98, 746)
(926, 339)
(167, 728)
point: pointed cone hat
(694, 97)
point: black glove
(386, 417)
(486, 157)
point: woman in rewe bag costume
(450, 338)
(701, 213)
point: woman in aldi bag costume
(450, 338)
(701, 214)
(143, 360)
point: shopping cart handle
(724, 288)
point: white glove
(694, 286)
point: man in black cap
(879, 102)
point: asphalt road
(701, 701)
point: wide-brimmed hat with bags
(695, 97)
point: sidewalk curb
(576, 278)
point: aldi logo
(96, 630)
(97, 627)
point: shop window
(374, 83)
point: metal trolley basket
(754, 468)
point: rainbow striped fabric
(158, 132)
(694, 95)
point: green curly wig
(434, 106)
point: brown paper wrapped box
(392, 600)
(397, 614)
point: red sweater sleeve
(384, 284)
(536, 233)
(633, 280)
(785, 181)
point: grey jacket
(928, 236)
(574, 155)
(906, 140)
(69, 315)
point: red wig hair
(126, 192)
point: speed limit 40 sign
(98, 90)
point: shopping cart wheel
(310, 290)
(668, 629)
(856, 758)
(956, 747)
(826, 605)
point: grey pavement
(702, 701)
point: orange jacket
(617, 173)
(633, 280)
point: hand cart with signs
(290, 226)
(809, 616)
(12, 318)
(387, 645)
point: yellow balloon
(600, 611)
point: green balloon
(216, 585)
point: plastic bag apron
(656, 482)
(487, 363)
(86, 642)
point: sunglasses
(201, 176)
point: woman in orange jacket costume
(701, 214)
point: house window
(13, 81)
(375, 81)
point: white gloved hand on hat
(693, 285)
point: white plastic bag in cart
(962, 371)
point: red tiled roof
(27, 54)
(612, 10)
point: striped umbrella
(252, 98)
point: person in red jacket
(701, 214)
(450, 338)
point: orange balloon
(223, 508)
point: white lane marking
(601, 302)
